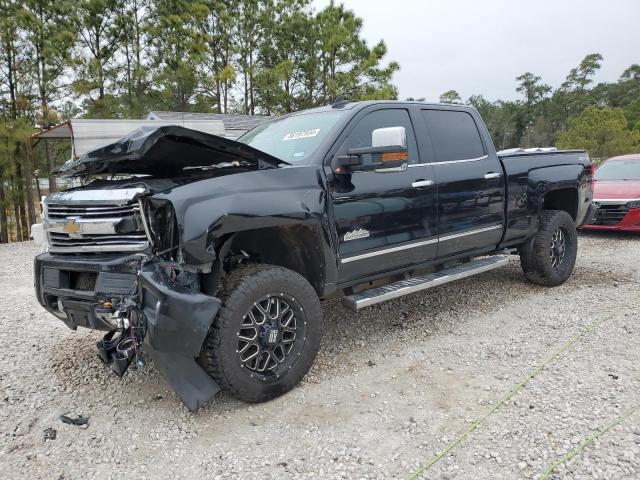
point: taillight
(593, 177)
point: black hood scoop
(167, 151)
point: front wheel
(549, 257)
(266, 335)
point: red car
(616, 195)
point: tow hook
(121, 347)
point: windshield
(293, 139)
(619, 170)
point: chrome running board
(370, 297)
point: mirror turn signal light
(394, 156)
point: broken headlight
(163, 227)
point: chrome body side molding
(419, 244)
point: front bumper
(76, 289)
(629, 223)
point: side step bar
(415, 284)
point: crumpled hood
(165, 152)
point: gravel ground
(391, 387)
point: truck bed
(529, 176)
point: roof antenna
(340, 102)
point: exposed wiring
(592, 326)
(156, 256)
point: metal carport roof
(87, 134)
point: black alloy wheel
(266, 335)
(558, 247)
(270, 336)
(549, 256)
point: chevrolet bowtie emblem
(72, 228)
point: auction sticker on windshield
(301, 134)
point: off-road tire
(242, 288)
(536, 256)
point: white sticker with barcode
(301, 134)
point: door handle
(422, 183)
(490, 175)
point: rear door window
(454, 135)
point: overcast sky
(479, 47)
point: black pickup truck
(212, 255)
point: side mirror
(388, 151)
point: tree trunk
(50, 165)
(129, 77)
(99, 61)
(226, 89)
(28, 182)
(37, 182)
(11, 77)
(16, 212)
(4, 231)
(138, 69)
(219, 96)
(218, 86)
(24, 228)
(252, 108)
(246, 93)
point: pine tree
(49, 29)
(100, 35)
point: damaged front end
(116, 260)
(145, 303)
(171, 320)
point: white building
(234, 125)
(87, 134)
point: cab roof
(347, 105)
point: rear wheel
(267, 334)
(549, 257)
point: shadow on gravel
(610, 235)
(74, 363)
(423, 315)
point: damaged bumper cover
(87, 291)
(178, 320)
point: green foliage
(528, 116)
(178, 47)
(450, 96)
(347, 67)
(99, 37)
(632, 113)
(531, 87)
(601, 131)
(122, 58)
(49, 32)
(309, 60)
(581, 76)
(547, 117)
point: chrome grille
(95, 221)
(63, 239)
(609, 214)
(64, 211)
